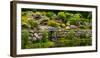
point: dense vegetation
(55, 28)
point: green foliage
(63, 25)
(29, 13)
(24, 19)
(37, 15)
(82, 27)
(74, 42)
(25, 35)
(33, 23)
(69, 42)
(75, 19)
(36, 45)
(25, 25)
(89, 16)
(71, 34)
(53, 23)
(45, 36)
(23, 13)
(85, 35)
(86, 42)
(51, 15)
(62, 15)
(69, 16)
(47, 44)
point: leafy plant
(53, 23)
(25, 25)
(45, 36)
(71, 34)
(47, 44)
(33, 23)
(62, 15)
(75, 19)
(86, 42)
(69, 42)
(25, 35)
(24, 19)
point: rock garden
(55, 28)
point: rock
(67, 27)
(34, 38)
(38, 36)
(73, 26)
(52, 29)
(43, 27)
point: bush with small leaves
(24, 19)
(50, 14)
(24, 35)
(25, 25)
(33, 23)
(71, 34)
(45, 36)
(86, 42)
(69, 42)
(62, 15)
(47, 44)
(53, 23)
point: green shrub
(36, 45)
(71, 34)
(24, 19)
(25, 25)
(47, 44)
(75, 19)
(76, 42)
(50, 15)
(69, 42)
(63, 16)
(33, 23)
(82, 27)
(53, 23)
(85, 35)
(76, 16)
(24, 35)
(63, 25)
(45, 36)
(86, 42)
